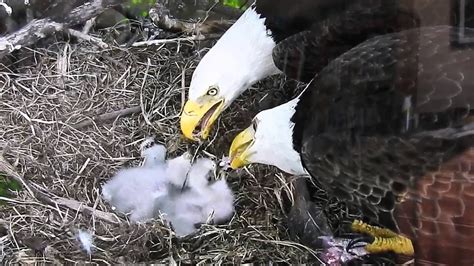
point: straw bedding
(72, 114)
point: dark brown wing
(301, 56)
(287, 17)
(382, 124)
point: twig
(81, 207)
(162, 41)
(108, 116)
(88, 38)
(142, 104)
(183, 88)
(88, 25)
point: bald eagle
(387, 127)
(245, 53)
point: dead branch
(81, 207)
(88, 25)
(32, 32)
(160, 15)
(163, 41)
(108, 116)
(41, 28)
(94, 40)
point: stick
(108, 116)
(85, 37)
(142, 104)
(162, 41)
(81, 207)
(88, 25)
(199, 37)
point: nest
(72, 114)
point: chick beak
(239, 149)
(199, 116)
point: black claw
(358, 242)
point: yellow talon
(385, 239)
(375, 231)
(398, 244)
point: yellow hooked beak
(239, 150)
(199, 116)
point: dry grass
(48, 102)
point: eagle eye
(212, 91)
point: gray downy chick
(135, 190)
(177, 169)
(155, 155)
(199, 202)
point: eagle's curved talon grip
(398, 244)
(385, 240)
(375, 231)
(359, 242)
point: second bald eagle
(388, 128)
